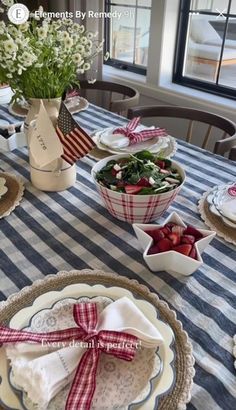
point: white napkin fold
(228, 208)
(42, 375)
(118, 141)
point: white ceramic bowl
(135, 208)
(171, 261)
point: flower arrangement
(42, 57)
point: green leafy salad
(142, 173)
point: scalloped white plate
(161, 386)
(166, 146)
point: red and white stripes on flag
(76, 142)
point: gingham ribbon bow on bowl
(139, 136)
(86, 317)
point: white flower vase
(58, 175)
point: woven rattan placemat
(215, 222)
(184, 361)
(13, 196)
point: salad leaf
(153, 174)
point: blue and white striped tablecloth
(68, 230)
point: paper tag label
(44, 145)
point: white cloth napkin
(228, 208)
(42, 374)
(118, 141)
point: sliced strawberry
(188, 239)
(166, 230)
(190, 230)
(153, 249)
(193, 253)
(156, 234)
(113, 172)
(132, 189)
(175, 238)
(178, 229)
(164, 245)
(160, 163)
(143, 182)
(184, 249)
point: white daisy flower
(7, 3)
(83, 40)
(24, 27)
(86, 66)
(90, 35)
(65, 35)
(77, 58)
(10, 46)
(80, 48)
(81, 29)
(68, 43)
(42, 32)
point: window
(206, 46)
(127, 34)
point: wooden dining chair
(129, 96)
(228, 127)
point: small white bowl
(171, 261)
(135, 208)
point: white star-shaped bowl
(171, 261)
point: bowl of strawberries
(139, 187)
(173, 247)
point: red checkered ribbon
(119, 344)
(134, 137)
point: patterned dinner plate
(113, 375)
(159, 379)
(164, 146)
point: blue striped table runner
(67, 230)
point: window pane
(124, 2)
(122, 34)
(215, 6)
(233, 7)
(228, 67)
(203, 49)
(146, 3)
(142, 36)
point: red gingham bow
(140, 136)
(119, 344)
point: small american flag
(76, 142)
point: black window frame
(181, 43)
(122, 65)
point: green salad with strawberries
(142, 173)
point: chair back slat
(212, 120)
(129, 95)
(189, 132)
(206, 138)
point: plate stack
(105, 140)
(222, 203)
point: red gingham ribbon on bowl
(119, 344)
(135, 137)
